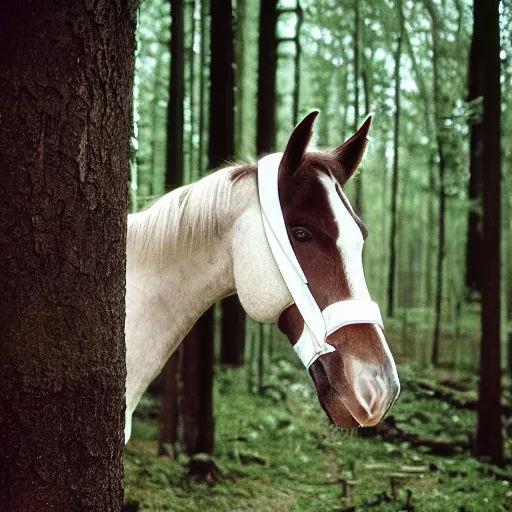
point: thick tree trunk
(394, 185)
(267, 68)
(66, 75)
(174, 167)
(489, 442)
(474, 245)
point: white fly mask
(317, 324)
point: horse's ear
(298, 144)
(351, 152)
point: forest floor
(278, 452)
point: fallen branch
(452, 395)
(390, 433)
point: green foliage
(284, 455)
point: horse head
(309, 276)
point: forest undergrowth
(277, 451)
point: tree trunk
(357, 59)
(169, 415)
(189, 400)
(202, 87)
(430, 130)
(221, 150)
(442, 199)
(298, 53)
(394, 185)
(193, 168)
(232, 332)
(174, 168)
(156, 173)
(474, 245)
(173, 179)
(240, 74)
(489, 441)
(267, 68)
(66, 77)
(205, 356)
(437, 27)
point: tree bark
(66, 76)
(474, 245)
(174, 167)
(489, 442)
(394, 184)
(267, 68)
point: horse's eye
(302, 235)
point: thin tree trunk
(240, 74)
(267, 68)
(169, 414)
(156, 176)
(357, 59)
(489, 442)
(65, 127)
(261, 359)
(438, 103)
(298, 52)
(394, 184)
(174, 168)
(429, 130)
(442, 200)
(192, 163)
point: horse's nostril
(369, 390)
(373, 392)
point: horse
(206, 241)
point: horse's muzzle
(358, 383)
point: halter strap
(317, 324)
(336, 316)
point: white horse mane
(181, 219)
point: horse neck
(163, 303)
